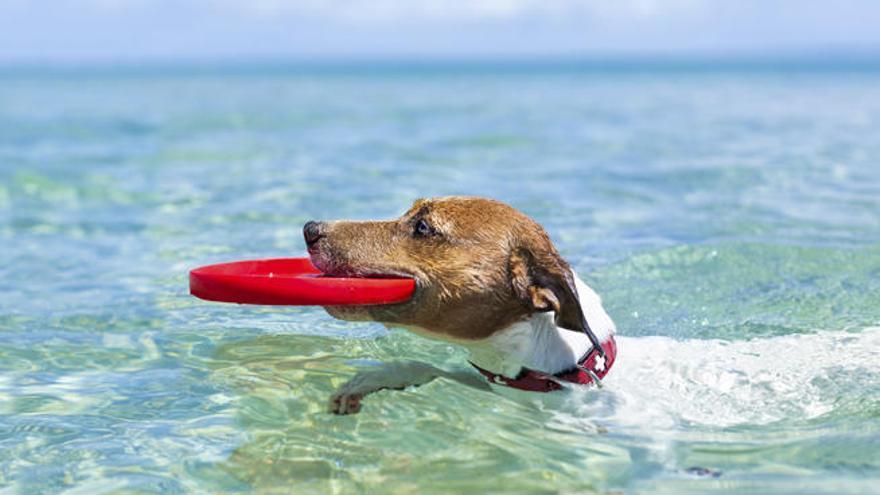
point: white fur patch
(537, 343)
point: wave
(663, 382)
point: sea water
(728, 215)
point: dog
(488, 278)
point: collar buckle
(596, 380)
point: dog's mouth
(331, 267)
(350, 272)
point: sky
(85, 31)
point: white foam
(660, 382)
(664, 391)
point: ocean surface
(728, 215)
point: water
(730, 217)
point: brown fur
(484, 267)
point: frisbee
(294, 282)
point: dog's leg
(393, 376)
(396, 375)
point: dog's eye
(422, 229)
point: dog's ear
(543, 281)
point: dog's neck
(537, 343)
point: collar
(589, 369)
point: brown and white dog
(487, 277)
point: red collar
(537, 381)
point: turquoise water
(729, 217)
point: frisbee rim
(293, 282)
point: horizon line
(868, 58)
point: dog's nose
(313, 231)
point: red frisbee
(292, 281)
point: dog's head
(479, 266)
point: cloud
(384, 11)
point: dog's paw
(346, 403)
